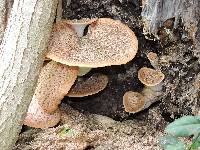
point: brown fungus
(108, 42)
(153, 58)
(133, 102)
(96, 83)
(36, 117)
(150, 77)
(54, 82)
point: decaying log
(21, 57)
(156, 12)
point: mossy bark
(21, 57)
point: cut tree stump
(156, 12)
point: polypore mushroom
(133, 102)
(54, 82)
(79, 27)
(37, 118)
(97, 82)
(108, 42)
(150, 77)
(153, 58)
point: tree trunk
(186, 13)
(21, 57)
(156, 12)
(5, 8)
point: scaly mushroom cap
(108, 42)
(54, 82)
(133, 102)
(97, 82)
(152, 56)
(150, 77)
(37, 118)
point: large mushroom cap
(150, 77)
(54, 82)
(108, 42)
(97, 82)
(133, 101)
(37, 118)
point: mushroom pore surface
(97, 82)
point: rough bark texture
(156, 12)
(21, 56)
(2, 17)
(5, 8)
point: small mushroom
(54, 82)
(108, 42)
(97, 82)
(153, 58)
(36, 117)
(133, 102)
(150, 77)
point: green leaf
(195, 142)
(184, 126)
(195, 146)
(169, 142)
(66, 131)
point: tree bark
(21, 56)
(5, 8)
(156, 12)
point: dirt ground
(178, 60)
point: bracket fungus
(153, 58)
(150, 77)
(97, 82)
(107, 42)
(37, 118)
(133, 101)
(54, 82)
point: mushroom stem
(83, 71)
(151, 93)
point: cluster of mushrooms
(72, 54)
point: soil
(178, 59)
